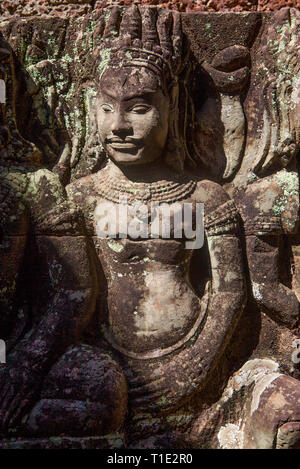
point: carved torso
(151, 303)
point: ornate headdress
(144, 37)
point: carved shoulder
(220, 214)
(271, 205)
(211, 194)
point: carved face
(132, 115)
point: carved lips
(124, 145)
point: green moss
(105, 59)
(289, 184)
(67, 58)
(252, 177)
(115, 246)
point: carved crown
(142, 37)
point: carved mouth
(123, 145)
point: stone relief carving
(141, 340)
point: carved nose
(120, 125)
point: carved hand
(229, 69)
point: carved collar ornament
(113, 188)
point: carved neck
(146, 173)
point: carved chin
(125, 157)
(131, 156)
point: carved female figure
(167, 335)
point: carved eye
(140, 109)
(107, 108)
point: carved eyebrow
(146, 93)
(107, 93)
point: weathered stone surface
(140, 336)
